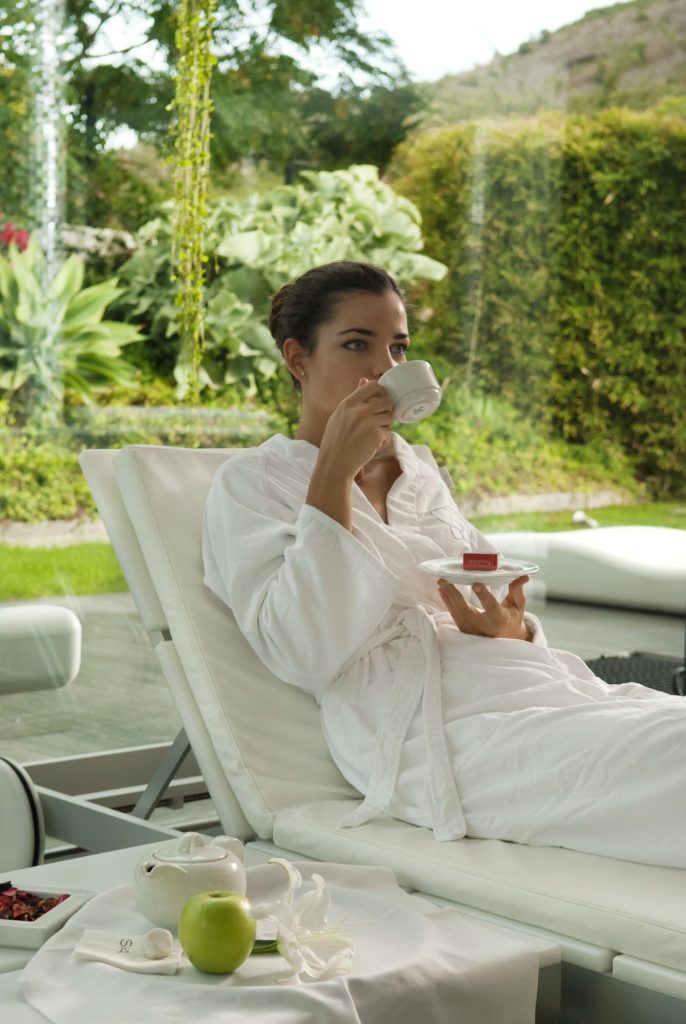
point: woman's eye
(355, 344)
(401, 348)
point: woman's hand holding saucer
(498, 619)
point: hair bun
(278, 302)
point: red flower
(20, 236)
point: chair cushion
(41, 647)
(629, 908)
(266, 734)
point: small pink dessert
(481, 561)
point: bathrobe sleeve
(305, 592)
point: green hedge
(41, 479)
(566, 244)
(40, 473)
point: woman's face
(365, 336)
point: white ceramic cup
(414, 389)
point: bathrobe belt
(418, 678)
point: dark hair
(300, 308)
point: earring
(302, 373)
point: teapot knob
(231, 844)
(189, 842)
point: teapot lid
(197, 855)
(191, 849)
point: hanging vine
(193, 106)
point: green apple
(216, 931)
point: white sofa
(621, 926)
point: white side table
(101, 872)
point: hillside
(632, 54)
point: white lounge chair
(626, 566)
(621, 926)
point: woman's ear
(294, 357)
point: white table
(101, 872)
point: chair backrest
(253, 735)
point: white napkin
(124, 950)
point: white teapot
(165, 880)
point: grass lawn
(27, 573)
(654, 514)
(48, 572)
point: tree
(359, 124)
(119, 59)
(15, 109)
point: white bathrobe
(467, 735)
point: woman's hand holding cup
(358, 427)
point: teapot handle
(233, 845)
(190, 841)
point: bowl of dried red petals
(27, 918)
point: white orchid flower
(313, 951)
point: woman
(446, 708)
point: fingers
(496, 619)
(465, 616)
(369, 395)
(368, 389)
(488, 601)
(379, 405)
(515, 593)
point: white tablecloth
(413, 963)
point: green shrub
(565, 241)
(620, 357)
(184, 426)
(488, 447)
(41, 476)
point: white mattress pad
(632, 909)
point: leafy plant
(255, 246)
(55, 338)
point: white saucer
(450, 569)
